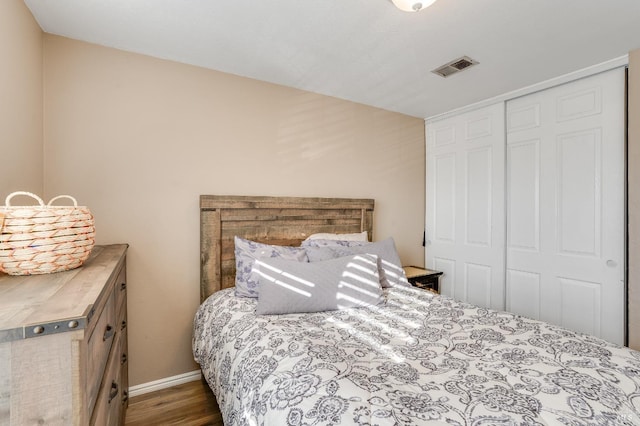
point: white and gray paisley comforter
(419, 359)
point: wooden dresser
(63, 344)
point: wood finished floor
(189, 404)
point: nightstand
(426, 279)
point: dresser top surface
(61, 296)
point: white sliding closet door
(565, 205)
(465, 205)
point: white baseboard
(167, 382)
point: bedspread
(417, 359)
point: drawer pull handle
(123, 359)
(114, 391)
(123, 286)
(125, 397)
(123, 325)
(108, 333)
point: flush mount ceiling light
(413, 5)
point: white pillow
(358, 236)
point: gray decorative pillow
(292, 287)
(390, 266)
(247, 252)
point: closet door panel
(448, 277)
(523, 292)
(580, 305)
(478, 197)
(523, 211)
(579, 188)
(477, 281)
(523, 117)
(444, 198)
(565, 205)
(465, 205)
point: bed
(413, 358)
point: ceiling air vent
(455, 66)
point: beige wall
(20, 100)
(634, 199)
(137, 139)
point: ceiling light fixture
(413, 5)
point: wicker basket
(43, 239)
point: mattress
(418, 358)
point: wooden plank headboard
(271, 220)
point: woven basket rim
(44, 208)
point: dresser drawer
(121, 288)
(98, 348)
(124, 374)
(121, 306)
(109, 404)
(122, 320)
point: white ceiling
(365, 51)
